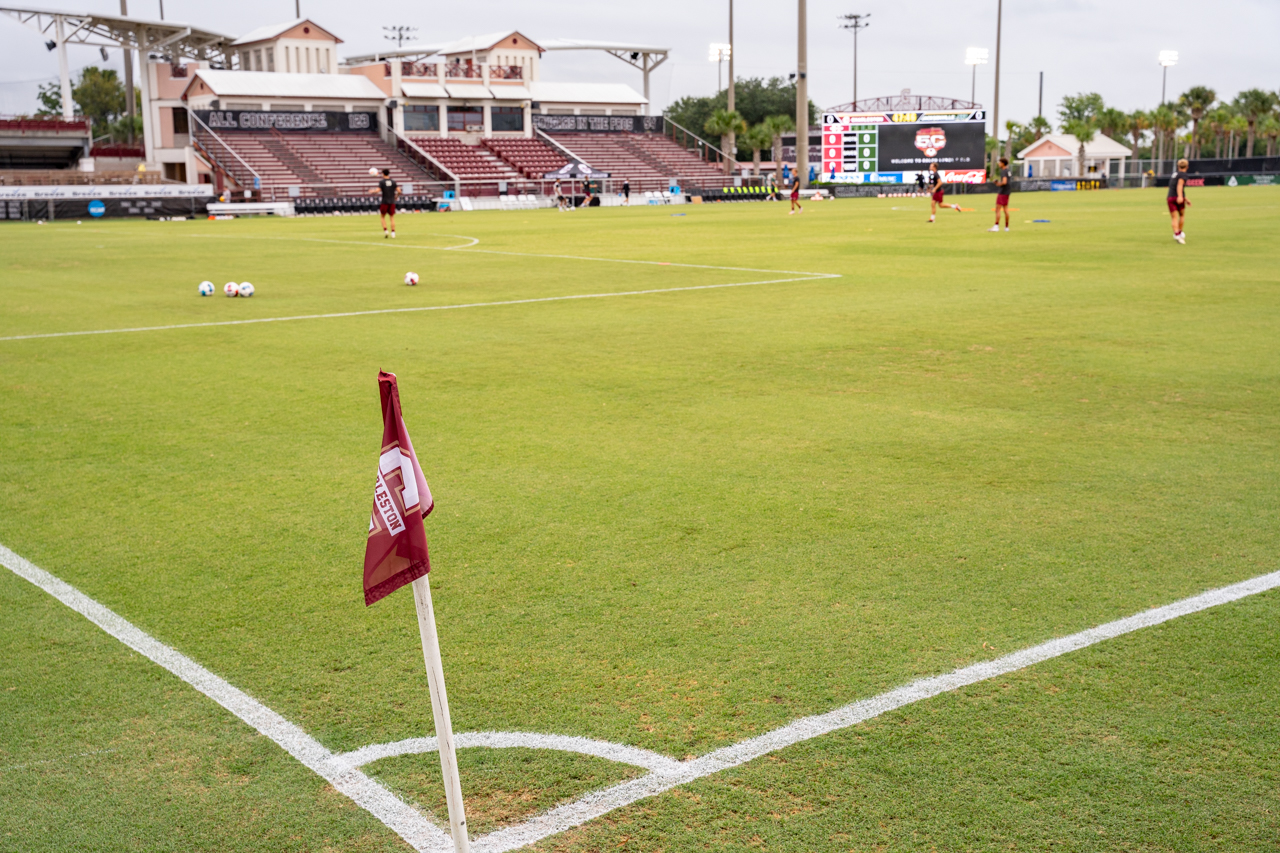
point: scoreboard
(892, 148)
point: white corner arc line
(407, 310)
(419, 832)
(621, 753)
(598, 803)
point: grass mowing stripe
(811, 277)
(600, 803)
(368, 794)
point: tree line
(1197, 125)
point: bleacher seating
(319, 164)
(532, 158)
(648, 160)
(468, 162)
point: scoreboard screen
(893, 147)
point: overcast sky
(1108, 46)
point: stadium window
(460, 118)
(307, 51)
(624, 112)
(180, 121)
(271, 59)
(507, 118)
(422, 117)
(324, 67)
(257, 60)
(245, 63)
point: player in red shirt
(795, 194)
(390, 191)
(936, 187)
(1004, 185)
(1178, 202)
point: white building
(1054, 156)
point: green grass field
(669, 520)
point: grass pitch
(672, 520)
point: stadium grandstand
(279, 114)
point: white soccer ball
(246, 289)
(231, 289)
(206, 288)
(373, 170)
(411, 278)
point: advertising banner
(322, 121)
(597, 124)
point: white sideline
(799, 275)
(598, 803)
(421, 833)
(342, 771)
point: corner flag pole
(440, 712)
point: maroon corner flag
(396, 553)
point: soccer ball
(373, 170)
(411, 278)
(206, 288)
(231, 289)
(246, 289)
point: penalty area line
(337, 314)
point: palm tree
(1269, 127)
(1013, 129)
(1197, 101)
(1163, 122)
(726, 124)
(1139, 123)
(1040, 126)
(778, 125)
(1236, 126)
(757, 137)
(1083, 130)
(1253, 104)
(1217, 119)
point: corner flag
(396, 555)
(396, 552)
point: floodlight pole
(64, 70)
(995, 101)
(802, 96)
(130, 110)
(732, 153)
(1040, 103)
(973, 85)
(1164, 81)
(855, 22)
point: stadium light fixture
(855, 22)
(1166, 58)
(719, 54)
(975, 56)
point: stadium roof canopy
(170, 38)
(269, 84)
(421, 50)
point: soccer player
(1004, 186)
(1178, 202)
(626, 192)
(795, 195)
(936, 186)
(390, 192)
